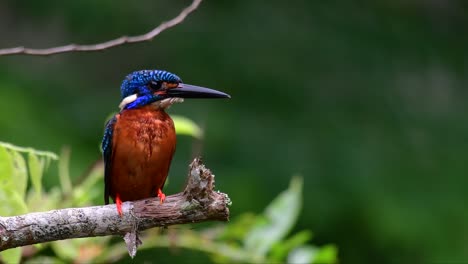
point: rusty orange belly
(143, 144)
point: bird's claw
(161, 196)
(118, 203)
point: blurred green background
(365, 99)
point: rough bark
(197, 203)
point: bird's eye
(155, 85)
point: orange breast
(144, 142)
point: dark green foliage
(366, 99)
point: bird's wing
(107, 154)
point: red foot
(161, 196)
(118, 202)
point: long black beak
(191, 91)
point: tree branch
(197, 203)
(108, 44)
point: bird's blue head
(146, 87)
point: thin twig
(108, 44)
(47, 154)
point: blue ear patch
(136, 82)
(143, 100)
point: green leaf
(278, 219)
(311, 254)
(44, 259)
(238, 228)
(64, 174)
(81, 250)
(185, 126)
(35, 171)
(51, 200)
(13, 181)
(65, 249)
(20, 173)
(11, 256)
(12, 203)
(281, 249)
(304, 254)
(6, 208)
(327, 254)
(6, 169)
(89, 189)
(17, 202)
(45, 154)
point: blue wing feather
(107, 155)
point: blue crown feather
(136, 81)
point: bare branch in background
(108, 44)
(197, 203)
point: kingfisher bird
(140, 140)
